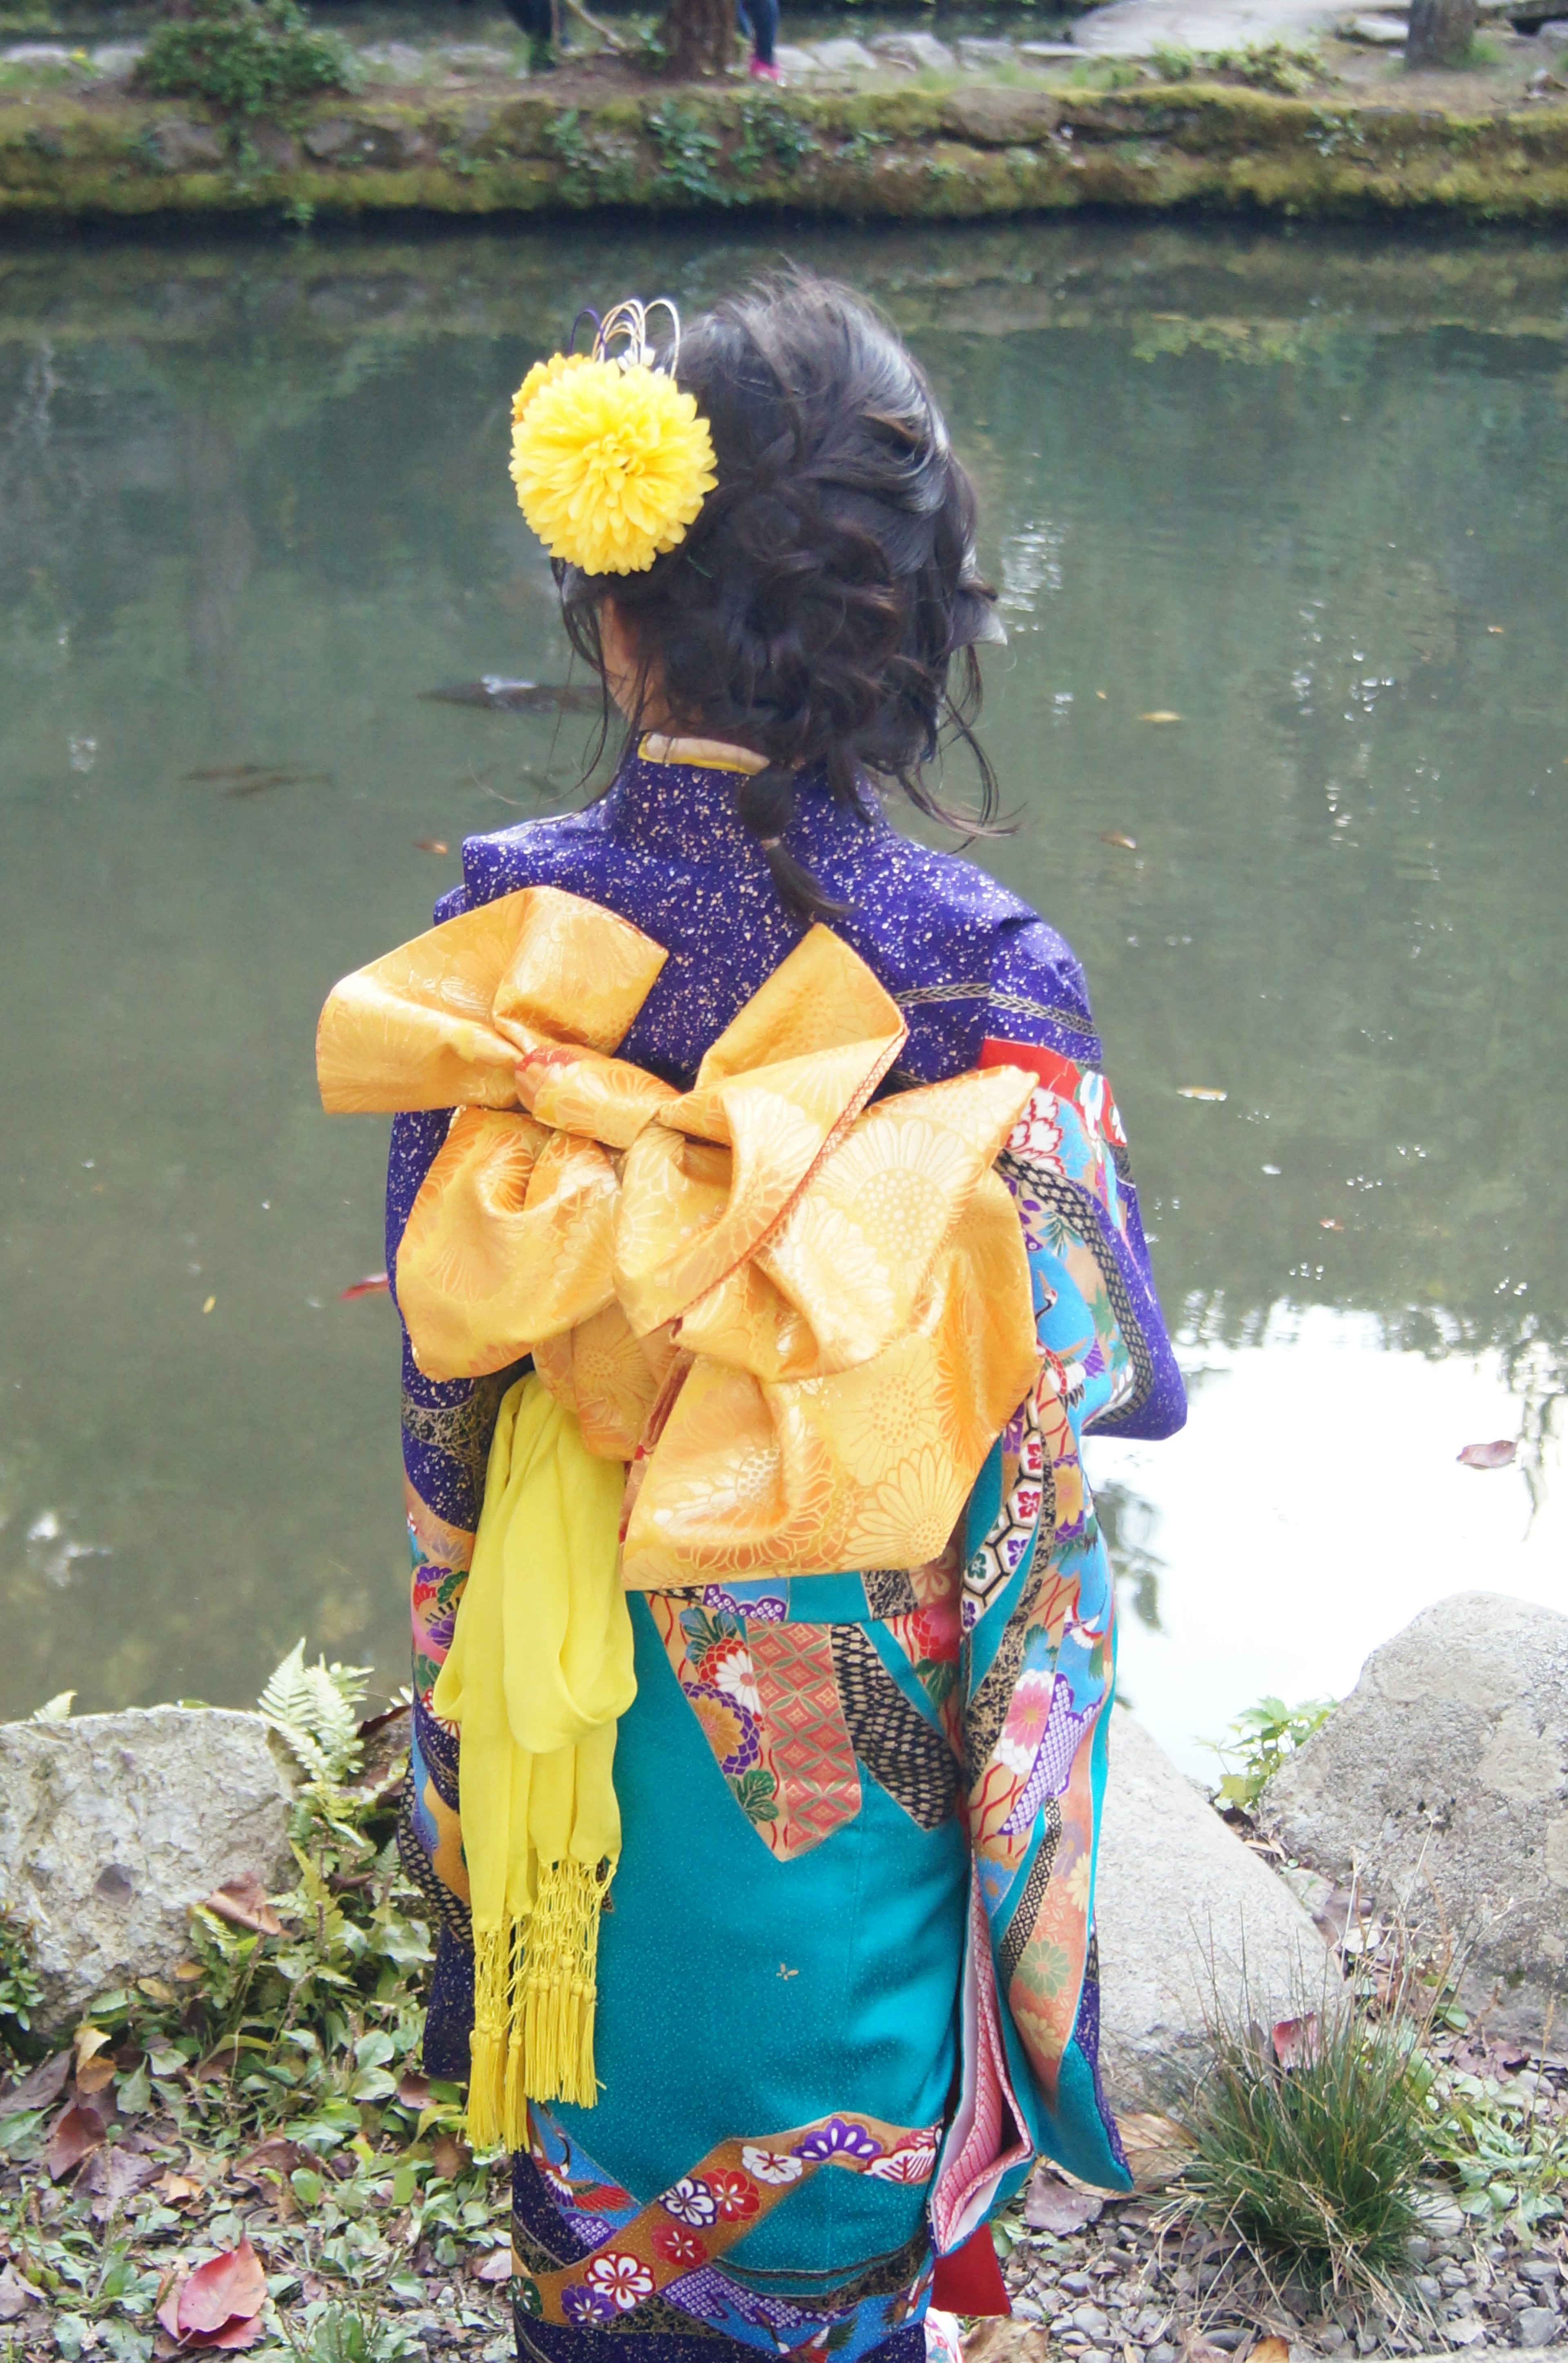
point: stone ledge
(910, 155)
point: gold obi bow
(803, 1318)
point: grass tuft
(1309, 2140)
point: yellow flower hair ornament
(611, 460)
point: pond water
(1307, 493)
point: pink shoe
(761, 70)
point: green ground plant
(1309, 2141)
(245, 57)
(273, 2079)
(1261, 1736)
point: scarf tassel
(534, 2002)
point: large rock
(113, 1825)
(1441, 1785)
(1189, 1919)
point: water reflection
(1305, 494)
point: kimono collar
(675, 797)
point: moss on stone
(918, 153)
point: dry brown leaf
(1270, 2350)
(220, 2304)
(38, 2087)
(243, 1903)
(494, 2267)
(1157, 2148)
(74, 2135)
(17, 2295)
(1000, 2339)
(92, 2078)
(1497, 1455)
(87, 2042)
(174, 2189)
(415, 2090)
(450, 2156)
(114, 2176)
(1052, 2205)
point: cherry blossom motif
(1037, 1134)
(913, 2161)
(736, 2197)
(677, 2247)
(771, 2165)
(623, 2279)
(587, 2305)
(689, 2200)
(1028, 1716)
(838, 2139)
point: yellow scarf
(539, 1669)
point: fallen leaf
(1296, 2040)
(94, 2077)
(373, 1284)
(495, 2267)
(113, 2176)
(277, 2156)
(188, 1971)
(38, 2087)
(415, 2090)
(430, 844)
(450, 2156)
(217, 2063)
(155, 1990)
(1496, 1455)
(1115, 836)
(1156, 2147)
(242, 1901)
(86, 2042)
(217, 2306)
(1054, 2205)
(1270, 2350)
(74, 2135)
(15, 2295)
(1201, 1092)
(1161, 716)
(174, 2189)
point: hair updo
(815, 609)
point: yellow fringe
(533, 2001)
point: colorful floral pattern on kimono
(793, 1707)
(654, 2265)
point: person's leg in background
(761, 19)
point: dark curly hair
(819, 607)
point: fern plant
(315, 1710)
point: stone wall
(906, 155)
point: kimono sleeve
(1038, 1649)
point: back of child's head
(815, 610)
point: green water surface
(1307, 494)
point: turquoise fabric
(741, 1995)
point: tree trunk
(698, 37)
(1441, 33)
